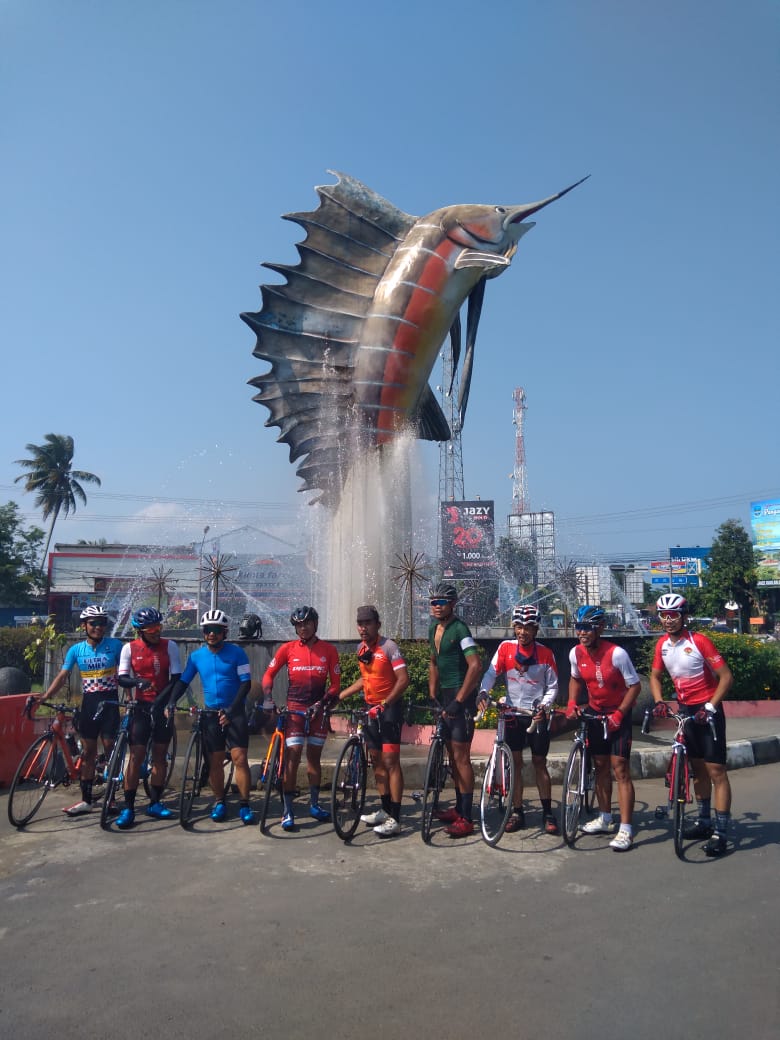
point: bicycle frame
(578, 777)
(272, 775)
(350, 775)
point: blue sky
(150, 148)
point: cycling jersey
(378, 674)
(154, 663)
(313, 671)
(97, 664)
(607, 672)
(450, 658)
(690, 661)
(535, 678)
(221, 673)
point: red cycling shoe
(461, 828)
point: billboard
(686, 565)
(765, 522)
(468, 539)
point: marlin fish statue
(353, 333)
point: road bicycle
(438, 769)
(678, 775)
(498, 783)
(579, 777)
(272, 776)
(170, 762)
(348, 791)
(195, 769)
(53, 759)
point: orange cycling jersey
(378, 673)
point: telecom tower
(450, 452)
(519, 478)
(536, 531)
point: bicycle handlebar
(681, 719)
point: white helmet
(214, 617)
(526, 614)
(673, 601)
(92, 612)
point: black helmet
(251, 627)
(301, 614)
(445, 591)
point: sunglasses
(669, 615)
(213, 630)
(97, 624)
(440, 602)
(585, 626)
(366, 657)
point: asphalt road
(161, 933)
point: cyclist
(531, 684)
(701, 680)
(225, 675)
(383, 679)
(454, 672)
(605, 671)
(150, 664)
(314, 680)
(97, 658)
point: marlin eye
(500, 209)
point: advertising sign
(765, 521)
(468, 539)
(687, 566)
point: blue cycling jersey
(97, 664)
(220, 673)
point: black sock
(386, 804)
(395, 811)
(466, 804)
(157, 793)
(86, 791)
(547, 806)
(130, 799)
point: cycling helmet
(92, 612)
(214, 617)
(526, 614)
(301, 614)
(445, 591)
(145, 617)
(672, 601)
(251, 627)
(589, 615)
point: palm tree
(52, 477)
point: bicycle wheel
(435, 775)
(170, 762)
(115, 776)
(348, 791)
(34, 777)
(273, 785)
(678, 801)
(495, 803)
(190, 777)
(572, 795)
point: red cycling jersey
(155, 664)
(690, 661)
(313, 671)
(607, 672)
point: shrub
(12, 646)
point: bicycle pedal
(661, 812)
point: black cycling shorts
(234, 735)
(461, 728)
(106, 725)
(386, 729)
(617, 744)
(145, 723)
(699, 739)
(517, 737)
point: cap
(367, 613)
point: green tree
(732, 571)
(20, 577)
(51, 477)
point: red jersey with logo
(531, 673)
(690, 662)
(156, 664)
(607, 672)
(379, 673)
(313, 671)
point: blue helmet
(301, 614)
(145, 617)
(589, 615)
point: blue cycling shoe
(219, 812)
(319, 814)
(159, 811)
(246, 814)
(288, 822)
(126, 819)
